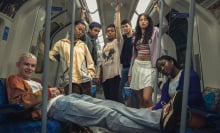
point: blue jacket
(195, 98)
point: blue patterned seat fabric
(53, 126)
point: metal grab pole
(159, 48)
(71, 47)
(46, 64)
(187, 67)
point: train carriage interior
(22, 29)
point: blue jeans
(132, 100)
(124, 79)
(88, 111)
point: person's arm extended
(164, 99)
(165, 25)
(118, 25)
(90, 62)
(98, 76)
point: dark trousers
(83, 88)
(110, 87)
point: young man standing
(110, 65)
(90, 39)
(125, 57)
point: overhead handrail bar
(187, 66)
(46, 64)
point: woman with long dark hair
(142, 71)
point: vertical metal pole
(159, 48)
(71, 53)
(72, 47)
(46, 64)
(187, 66)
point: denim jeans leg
(114, 116)
(124, 79)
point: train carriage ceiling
(107, 9)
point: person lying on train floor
(86, 110)
(169, 67)
(83, 65)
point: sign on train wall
(5, 33)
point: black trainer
(171, 113)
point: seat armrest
(11, 108)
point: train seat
(9, 124)
(212, 111)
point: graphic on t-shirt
(108, 54)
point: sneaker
(171, 113)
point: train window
(10, 7)
(39, 51)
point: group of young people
(130, 57)
(137, 53)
